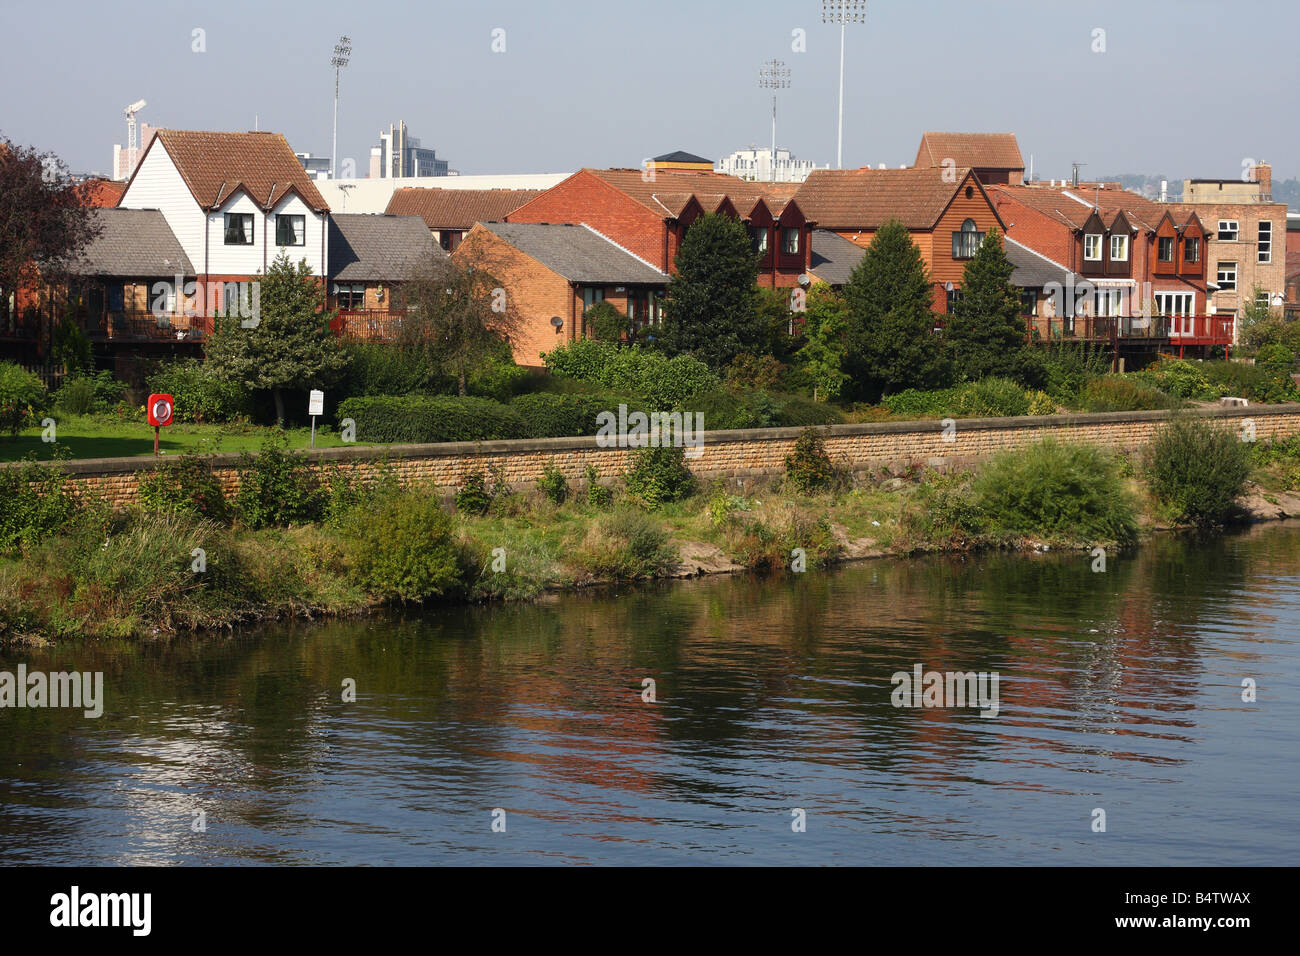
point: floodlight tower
(342, 52)
(774, 75)
(843, 12)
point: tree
(826, 324)
(291, 346)
(1258, 319)
(43, 222)
(891, 345)
(605, 323)
(458, 314)
(711, 310)
(986, 334)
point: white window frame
(1231, 226)
(1264, 247)
(1122, 255)
(1097, 246)
(1219, 280)
(1175, 303)
(1114, 299)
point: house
(833, 258)
(1140, 264)
(947, 213)
(648, 213)
(1048, 292)
(994, 157)
(369, 257)
(234, 202)
(1246, 233)
(450, 213)
(553, 273)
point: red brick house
(947, 212)
(450, 213)
(648, 213)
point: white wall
(372, 195)
(158, 185)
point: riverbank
(172, 565)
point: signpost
(159, 410)
(315, 406)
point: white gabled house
(234, 201)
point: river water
(1119, 691)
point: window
(350, 296)
(290, 231)
(1119, 248)
(790, 241)
(1107, 301)
(1028, 301)
(1174, 303)
(1265, 247)
(1261, 298)
(1092, 247)
(967, 242)
(1192, 249)
(239, 228)
(1165, 248)
(1228, 230)
(1227, 279)
(954, 296)
(758, 239)
(590, 296)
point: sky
(1192, 88)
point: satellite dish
(947, 286)
(557, 322)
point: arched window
(965, 242)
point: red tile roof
(100, 193)
(458, 208)
(669, 191)
(215, 165)
(1073, 206)
(978, 150)
(868, 198)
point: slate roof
(578, 253)
(132, 243)
(681, 157)
(458, 208)
(833, 256)
(1034, 270)
(980, 150)
(868, 198)
(214, 165)
(383, 248)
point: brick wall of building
(733, 454)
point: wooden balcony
(1181, 330)
(368, 325)
(126, 325)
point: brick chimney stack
(1264, 176)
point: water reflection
(1119, 690)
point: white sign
(316, 402)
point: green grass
(85, 436)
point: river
(1119, 691)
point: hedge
(421, 419)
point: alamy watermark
(651, 430)
(76, 689)
(922, 688)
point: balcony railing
(368, 325)
(1174, 329)
(131, 325)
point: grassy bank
(295, 544)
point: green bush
(1259, 383)
(598, 496)
(1069, 367)
(606, 323)
(795, 411)
(500, 381)
(376, 368)
(36, 502)
(993, 398)
(402, 548)
(1059, 491)
(660, 381)
(1114, 394)
(553, 484)
(808, 467)
(747, 372)
(553, 415)
(626, 544)
(84, 394)
(659, 475)
(1276, 354)
(1040, 403)
(919, 403)
(70, 347)
(473, 497)
(184, 484)
(278, 487)
(1198, 470)
(1181, 378)
(420, 419)
(22, 398)
(200, 395)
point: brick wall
(750, 453)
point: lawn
(100, 437)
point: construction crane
(132, 143)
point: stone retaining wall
(728, 454)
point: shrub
(606, 323)
(1060, 491)
(552, 415)
(403, 548)
(1258, 383)
(796, 411)
(500, 381)
(419, 419)
(942, 515)
(1040, 403)
(1181, 378)
(918, 403)
(993, 398)
(660, 381)
(278, 487)
(1276, 355)
(748, 371)
(1113, 394)
(200, 394)
(659, 475)
(1069, 367)
(598, 495)
(22, 397)
(36, 502)
(376, 368)
(1198, 470)
(626, 544)
(553, 484)
(808, 467)
(473, 497)
(184, 484)
(83, 394)
(724, 409)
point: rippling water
(1119, 691)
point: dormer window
(758, 239)
(239, 228)
(790, 244)
(1165, 248)
(1192, 249)
(1119, 248)
(290, 230)
(966, 242)
(1092, 247)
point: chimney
(1164, 190)
(1264, 176)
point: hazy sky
(1187, 88)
